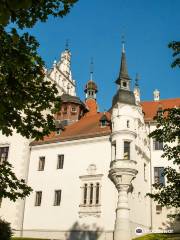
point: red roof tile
(89, 125)
(150, 108)
(86, 127)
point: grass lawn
(19, 238)
(159, 237)
(147, 237)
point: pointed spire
(91, 69)
(123, 79)
(123, 73)
(67, 45)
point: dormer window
(104, 121)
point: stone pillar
(122, 224)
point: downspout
(150, 179)
(24, 202)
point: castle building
(90, 177)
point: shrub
(5, 230)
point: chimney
(156, 94)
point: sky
(95, 28)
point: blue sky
(94, 29)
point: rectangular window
(73, 109)
(85, 194)
(158, 209)
(91, 194)
(158, 175)
(126, 150)
(3, 154)
(157, 145)
(38, 198)
(41, 163)
(57, 197)
(0, 202)
(97, 193)
(60, 161)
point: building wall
(160, 219)
(18, 156)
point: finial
(54, 63)
(123, 43)
(137, 80)
(91, 69)
(67, 44)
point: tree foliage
(10, 186)
(26, 94)
(5, 230)
(175, 46)
(168, 132)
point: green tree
(10, 186)
(168, 132)
(25, 92)
(175, 46)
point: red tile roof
(150, 108)
(89, 125)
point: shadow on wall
(173, 222)
(84, 232)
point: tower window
(158, 175)
(128, 124)
(73, 109)
(65, 110)
(124, 84)
(57, 197)
(3, 154)
(38, 198)
(126, 150)
(41, 163)
(60, 161)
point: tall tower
(90, 91)
(123, 165)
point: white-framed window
(4, 154)
(73, 109)
(91, 193)
(38, 198)
(60, 161)
(57, 197)
(41, 163)
(157, 145)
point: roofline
(77, 137)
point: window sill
(89, 210)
